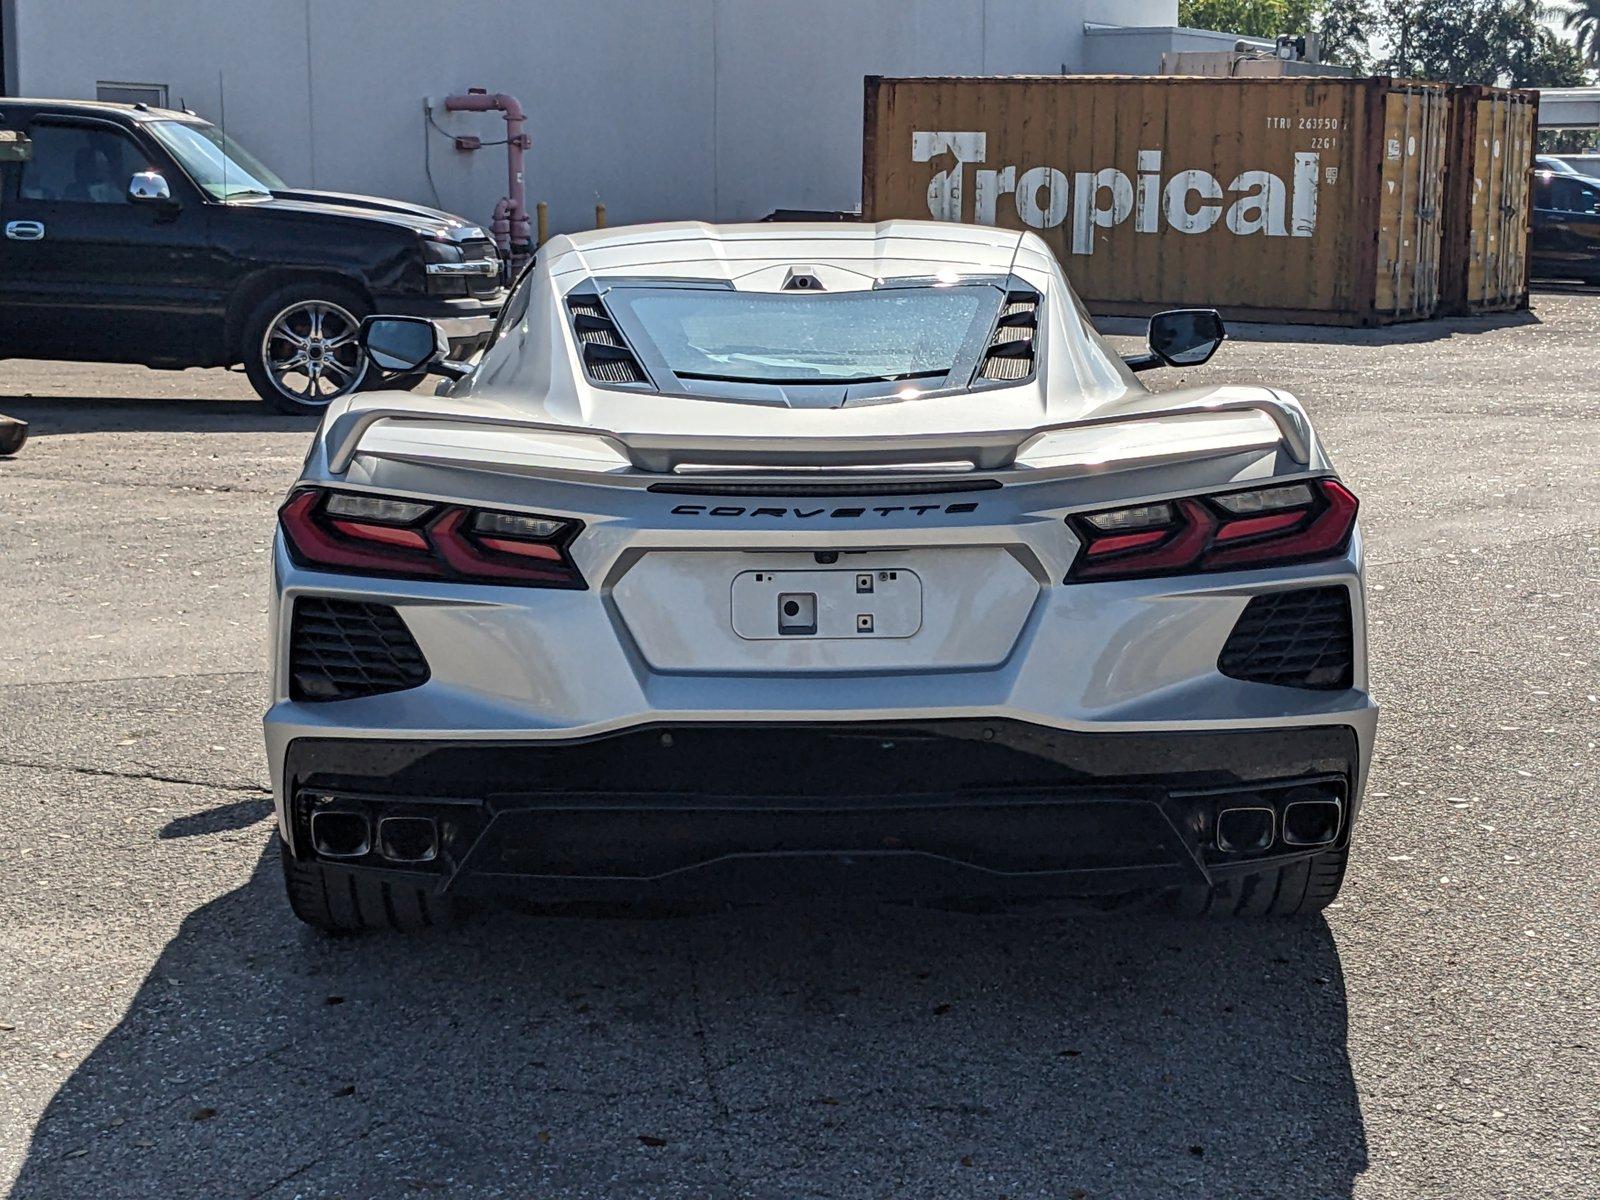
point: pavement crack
(317, 1161)
(149, 776)
(721, 1114)
(26, 683)
(193, 489)
(708, 1073)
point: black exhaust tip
(1245, 830)
(340, 834)
(1311, 822)
(408, 839)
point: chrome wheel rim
(311, 352)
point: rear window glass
(799, 338)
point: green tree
(1346, 27)
(1473, 41)
(1464, 41)
(1581, 19)
(1551, 62)
(1252, 18)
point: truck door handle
(25, 231)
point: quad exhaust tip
(408, 839)
(1311, 822)
(1245, 830)
(341, 834)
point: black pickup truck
(141, 235)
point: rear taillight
(415, 539)
(1285, 523)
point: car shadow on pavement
(816, 1049)
(48, 416)
(1404, 333)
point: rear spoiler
(669, 453)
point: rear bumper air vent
(1299, 638)
(343, 650)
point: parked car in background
(1578, 164)
(142, 235)
(760, 556)
(1549, 162)
(1564, 227)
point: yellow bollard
(599, 216)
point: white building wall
(662, 109)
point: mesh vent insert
(1299, 638)
(1009, 356)
(344, 649)
(606, 356)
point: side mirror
(1181, 337)
(149, 187)
(409, 344)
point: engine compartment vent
(1301, 638)
(1009, 357)
(606, 356)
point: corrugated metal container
(1493, 138)
(1314, 200)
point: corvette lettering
(823, 512)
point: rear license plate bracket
(885, 602)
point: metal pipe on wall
(511, 227)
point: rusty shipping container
(1316, 200)
(1493, 138)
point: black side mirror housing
(408, 344)
(1181, 337)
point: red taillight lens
(373, 535)
(1260, 527)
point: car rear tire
(301, 350)
(1300, 889)
(338, 900)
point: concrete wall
(716, 109)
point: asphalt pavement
(168, 1030)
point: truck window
(1561, 193)
(79, 164)
(14, 148)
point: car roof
(98, 108)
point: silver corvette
(760, 559)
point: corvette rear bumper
(960, 807)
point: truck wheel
(1300, 889)
(339, 900)
(300, 347)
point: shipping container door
(1511, 218)
(1488, 198)
(1497, 268)
(1411, 202)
